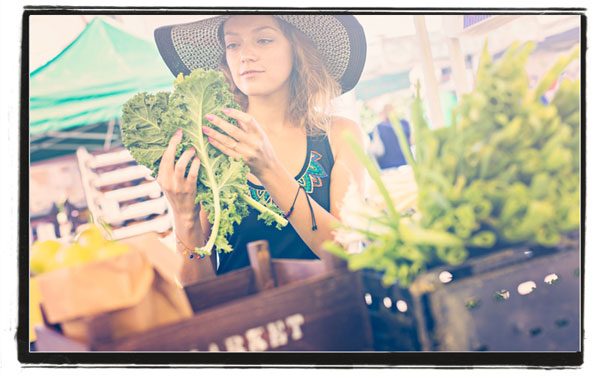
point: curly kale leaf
(142, 131)
(149, 121)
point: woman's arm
(251, 144)
(189, 218)
(347, 169)
(190, 234)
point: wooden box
(521, 299)
(272, 305)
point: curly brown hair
(312, 89)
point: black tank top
(285, 243)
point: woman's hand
(179, 189)
(248, 141)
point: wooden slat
(292, 270)
(333, 262)
(260, 261)
(221, 289)
(324, 313)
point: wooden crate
(272, 305)
(521, 299)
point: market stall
(473, 245)
(76, 97)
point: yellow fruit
(112, 249)
(73, 255)
(43, 256)
(91, 237)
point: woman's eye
(230, 45)
(265, 40)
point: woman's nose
(247, 53)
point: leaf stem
(261, 208)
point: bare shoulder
(340, 126)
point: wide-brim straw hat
(339, 38)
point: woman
(284, 71)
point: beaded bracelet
(187, 250)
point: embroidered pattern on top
(311, 179)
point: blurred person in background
(384, 144)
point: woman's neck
(270, 112)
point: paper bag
(111, 298)
(165, 260)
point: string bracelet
(312, 213)
(288, 213)
(187, 250)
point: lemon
(43, 256)
(91, 238)
(112, 249)
(73, 255)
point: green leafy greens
(149, 122)
(505, 172)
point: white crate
(111, 206)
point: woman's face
(258, 54)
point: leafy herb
(150, 120)
(506, 171)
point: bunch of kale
(149, 122)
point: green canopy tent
(76, 98)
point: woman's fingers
(229, 128)
(223, 139)
(231, 150)
(183, 162)
(168, 158)
(245, 120)
(193, 174)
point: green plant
(506, 171)
(150, 120)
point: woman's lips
(251, 73)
